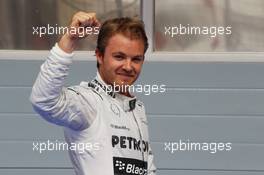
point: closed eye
(138, 59)
(119, 57)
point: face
(122, 61)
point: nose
(128, 65)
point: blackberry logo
(128, 166)
(120, 164)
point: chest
(125, 127)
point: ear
(99, 56)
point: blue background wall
(205, 102)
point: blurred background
(18, 17)
(244, 16)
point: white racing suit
(113, 127)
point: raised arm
(49, 97)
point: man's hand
(79, 21)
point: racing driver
(112, 122)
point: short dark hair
(130, 27)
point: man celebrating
(112, 123)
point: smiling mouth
(126, 75)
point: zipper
(140, 135)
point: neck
(126, 93)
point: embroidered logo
(115, 109)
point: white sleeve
(52, 100)
(151, 167)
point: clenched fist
(81, 25)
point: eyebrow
(123, 54)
